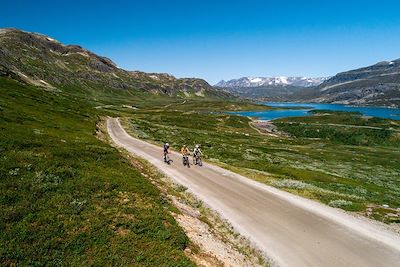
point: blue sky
(218, 40)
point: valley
(69, 197)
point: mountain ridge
(40, 60)
(377, 85)
(256, 81)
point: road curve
(291, 230)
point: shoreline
(263, 102)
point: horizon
(224, 40)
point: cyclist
(166, 152)
(197, 154)
(185, 154)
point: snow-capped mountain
(271, 81)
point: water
(302, 109)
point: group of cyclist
(185, 151)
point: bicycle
(185, 160)
(197, 159)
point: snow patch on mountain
(272, 81)
(255, 80)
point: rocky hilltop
(43, 61)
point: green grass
(347, 167)
(67, 198)
(343, 128)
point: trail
(168, 105)
(293, 231)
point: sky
(218, 40)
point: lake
(302, 109)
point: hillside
(67, 197)
(378, 84)
(39, 60)
(271, 92)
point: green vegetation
(67, 198)
(349, 166)
(343, 128)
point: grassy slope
(357, 170)
(67, 198)
(344, 128)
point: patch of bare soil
(267, 127)
(218, 246)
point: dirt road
(291, 230)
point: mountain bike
(185, 160)
(197, 159)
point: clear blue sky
(220, 39)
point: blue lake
(302, 109)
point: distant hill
(42, 61)
(274, 88)
(246, 82)
(271, 92)
(378, 84)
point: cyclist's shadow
(168, 161)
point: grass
(342, 160)
(218, 227)
(66, 197)
(343, 128)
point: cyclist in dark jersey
(166, 152)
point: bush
(340, 203)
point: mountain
(378, 84)
(43, 61)
(270, 92)
(247, 82)
(271, 88)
